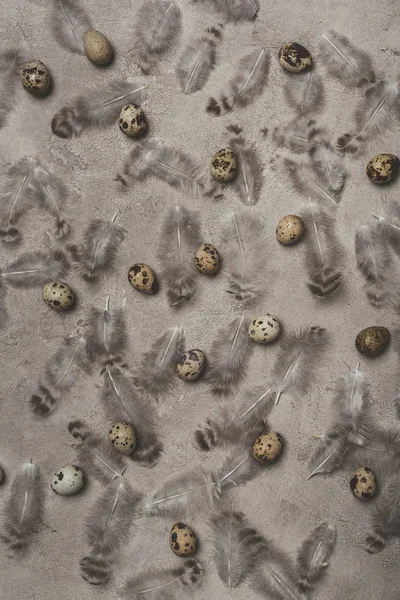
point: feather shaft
(34, 269)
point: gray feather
(197, 61)
(330, 454)
(238, 10)
(11, 60)
(373, 260)
(35, 269)
(69, 23)
(17, 198)
(308, 182)
(249, 178)
(297, 135)
(351, 66)
(385, 518)
(314, 554)
(305, 93)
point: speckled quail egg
(122, 437)
(267, 448)
(132, 121)
(223, 165)
(290, 230)
(36, 77)
(58, 295)
(190, 365)
(382, 168)
(68, 480)
(182, 540)
(363, 484)
(143, 278)
(294, 57)
(97, 47)
(264, 329)
(373, 340)
(207, 259)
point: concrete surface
(282, 504)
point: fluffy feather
(350, 405)
(69, 23)
(158, 23)
(16, 198)
(342, 60)
(179, 240)
(23, 509)
(389, 222)
(247, 84)
(314, 554)
(51, 193)
(385, 518)
(197, 61)
(229, 357)
(107, 333)
(305, 94)
(249, 178)
(238, 468)
(62, 372)
(373, 259)
(4, 317)
(307, 182)
(101, 242)
(328, 166)
(34, 269)
(324, 253)
(330, 454)
(163, 584)
(297, 135)
(238, 10)
(98, 108)
(10, 62)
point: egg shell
(122, 437)
(382, 168)
(132, 121)
(264, 329)
(293, 57)
(97, 47)
(143, 278)
(58, 295)
(363, 484)
(373, 340)
(290, 230)
(223, 165)
(268, 447)
(182, 540)
(68, 480)
(207, 259)
(190, 365)
(36, 78)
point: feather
(4, 317)
(107, 334)
(247, 84)
(373, 259)
(158, 364)
(23, 509)
(62, 372)
(101, 242)
(158, 23)
(313, 556)
(17, 198)
(35, 269)
(350, 404)
(96, 456)
(69, 23)
(249, 178)
(330, 454)
(328, 166)
(237, 469)
(98, 108)
(297, 135)
(51, 194)
(179, 240)
(385, 518)
(197, 61)
(11, 61)
(307, 182)
(229, 357)
(238, 10)
(107, 527)
(342, 60)
(305, 94)
(245, 258)
(389, 223)
(324, 253)
(163, 584)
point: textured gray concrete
(281, 503)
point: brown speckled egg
(363, 484)
(190, 365)
(290, 230)
(132, 121)
(36, 78)
(294, 57)
(264, 329)
(122, 437)
(373, 340)
(383, 167)
(207, 259)
(182, 540)
(143, 278)
(267, 448)
(223, 165)
(97, 47)
(58, 295)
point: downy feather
(350, 405)
(249, 177)
(247, 84)
(97, 108)
(197, 61)
(10, 62)
(62, 372)
(238, 10)
(342, 60)
(306, 181)
(373, 259)
(16, 198)
(107, 337)
(178, 242)
(238, 468)
(51, 193)
(330, 454)
(305, 93)
(328, 166)
(297, 135)
(22, 511)
(69, 23)
(313, 556)
(389, 222)
(385, 518)
(34, 269)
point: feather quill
(305, 94)
(98, 108)
(238, 10)
(313, 556)
(62, 372)
(330, 454)
(34, 269)
(297, 135)
(17, 198)
(69, 23)
(10, 62)
(51, 193)
(248, 83)
(23, 509)
(385, 518)
(350, 405)
(307, 182)
(249, 178)
(342, 60)
(197, 61)
(107, 338)
(328, 166)
(373, 260)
